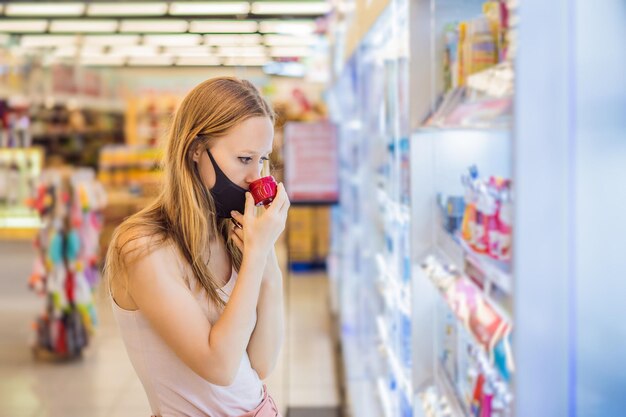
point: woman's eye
(263, 159)
(245, 159)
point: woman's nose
(253, 176)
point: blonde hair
(184, 212)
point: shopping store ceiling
(182, 33)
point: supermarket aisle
(103, 383)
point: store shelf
(498, 332)
(395, 295)
(385, 401)
(496, 272)
(404, 383)
(446, 387)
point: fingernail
(233, 212)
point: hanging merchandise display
(66, 269)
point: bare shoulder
(144, 261)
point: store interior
(455, 169)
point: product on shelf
(19, 172)
(14, 126)
(135, 167)
(66, 268)
(475, 346)
(477, 69)
(487, 220)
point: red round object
(264, 190)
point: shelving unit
(443, 147)
(555, 133)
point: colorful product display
(487, 219)
(474, 343)
(14, 126)
(134, 167)
(66, 268)
(476, 44)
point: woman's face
(239, 154)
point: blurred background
(456, 169)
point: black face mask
(227, 195)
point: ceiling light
(45, 9)
(104, 60)
(127, 9)
(246, 61)
(209, 8)
(290, 8)
(33, 41)
(199, 61)
(70, 51)
(223, 26)
(72, 26)
(302, 27)
(15, 25)
(135, 50)
(110, 39)
(286, 40)
(172, 40)
(242, 51)
(189, 51)
(290, 51)
(151, 61)
(153, 26)
(66, 51)
(233, 40)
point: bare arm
(213, 352)
(267, 337)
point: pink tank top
(173, 389)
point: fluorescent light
(233, 40)
(172, 40)
(16, 25)
(290, 8)
(290, 51)
(234, 51)
(110, 39)
(151, 61)
(85, 51)
(223, 26)
(127, 9)
(33, 41)
(246, 61)
(163, 25)
(199, 61)
(45, 9)
(286, 40)
(208, 8)
(189, 51)
(85, 25)
(66, 51)
(104, 60)
(135, 50)
(302, 27)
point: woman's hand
(260, 233)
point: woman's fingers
(280, 199)
(238, 218)
(249, 210)
(238, 241)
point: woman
(197, 299)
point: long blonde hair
(184, 212)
